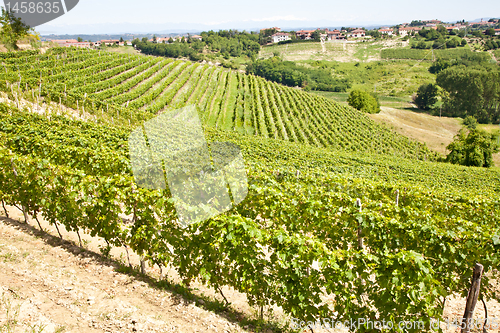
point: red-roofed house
(304, 34)
(280, 37)
(162, 39)
(335, 34)
(356, 33)
(405, 31)
(386, 31)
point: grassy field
(123, 50)
(389, 78)
(330, 51)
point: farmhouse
(280, 37)
(357, 33)
(407, 30)
(197, 37)
(335, 34)
(304, 34)
(162, 40)
(386, 31)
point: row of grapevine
(136, 87)
(303, 253)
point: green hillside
(299, 240)
(367, 230)
(127, 87)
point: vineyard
(430, 55)
(322, 233)
(134, 88)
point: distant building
(275, 28)
(497, 32)
(407, 30)
(432, 22)
(386, 31)
(357, 33)
(109, 42)
(280, 37)
(162, 39)
(70, 43)
(335, 34)
(197, 37)
(304, 34)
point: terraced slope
(138, 87)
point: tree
(474, 148)
(316, 35)
(470, 122)
(363, 101)
(490, 32)
(13, 29)
(170, 40)
(439, 65)
(426, 96)
(121, 39)
(79, 39)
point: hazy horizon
(125, 16)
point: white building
(357, 33)
(280, 37)
(407, 30)
(386, 31)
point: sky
(122, 16)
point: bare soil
(52, 285)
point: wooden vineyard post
(360, 231)
(472, 297)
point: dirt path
(51, 285)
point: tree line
(226, 43)
(290, 74)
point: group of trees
(471, 91)
(472, 146)
(291, 74)
(227, 43)
(469, 86)
(439, 38)
(13, 30)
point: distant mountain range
(121, 29)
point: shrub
(473, 149)
(363, 101)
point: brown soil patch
(435, 132)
